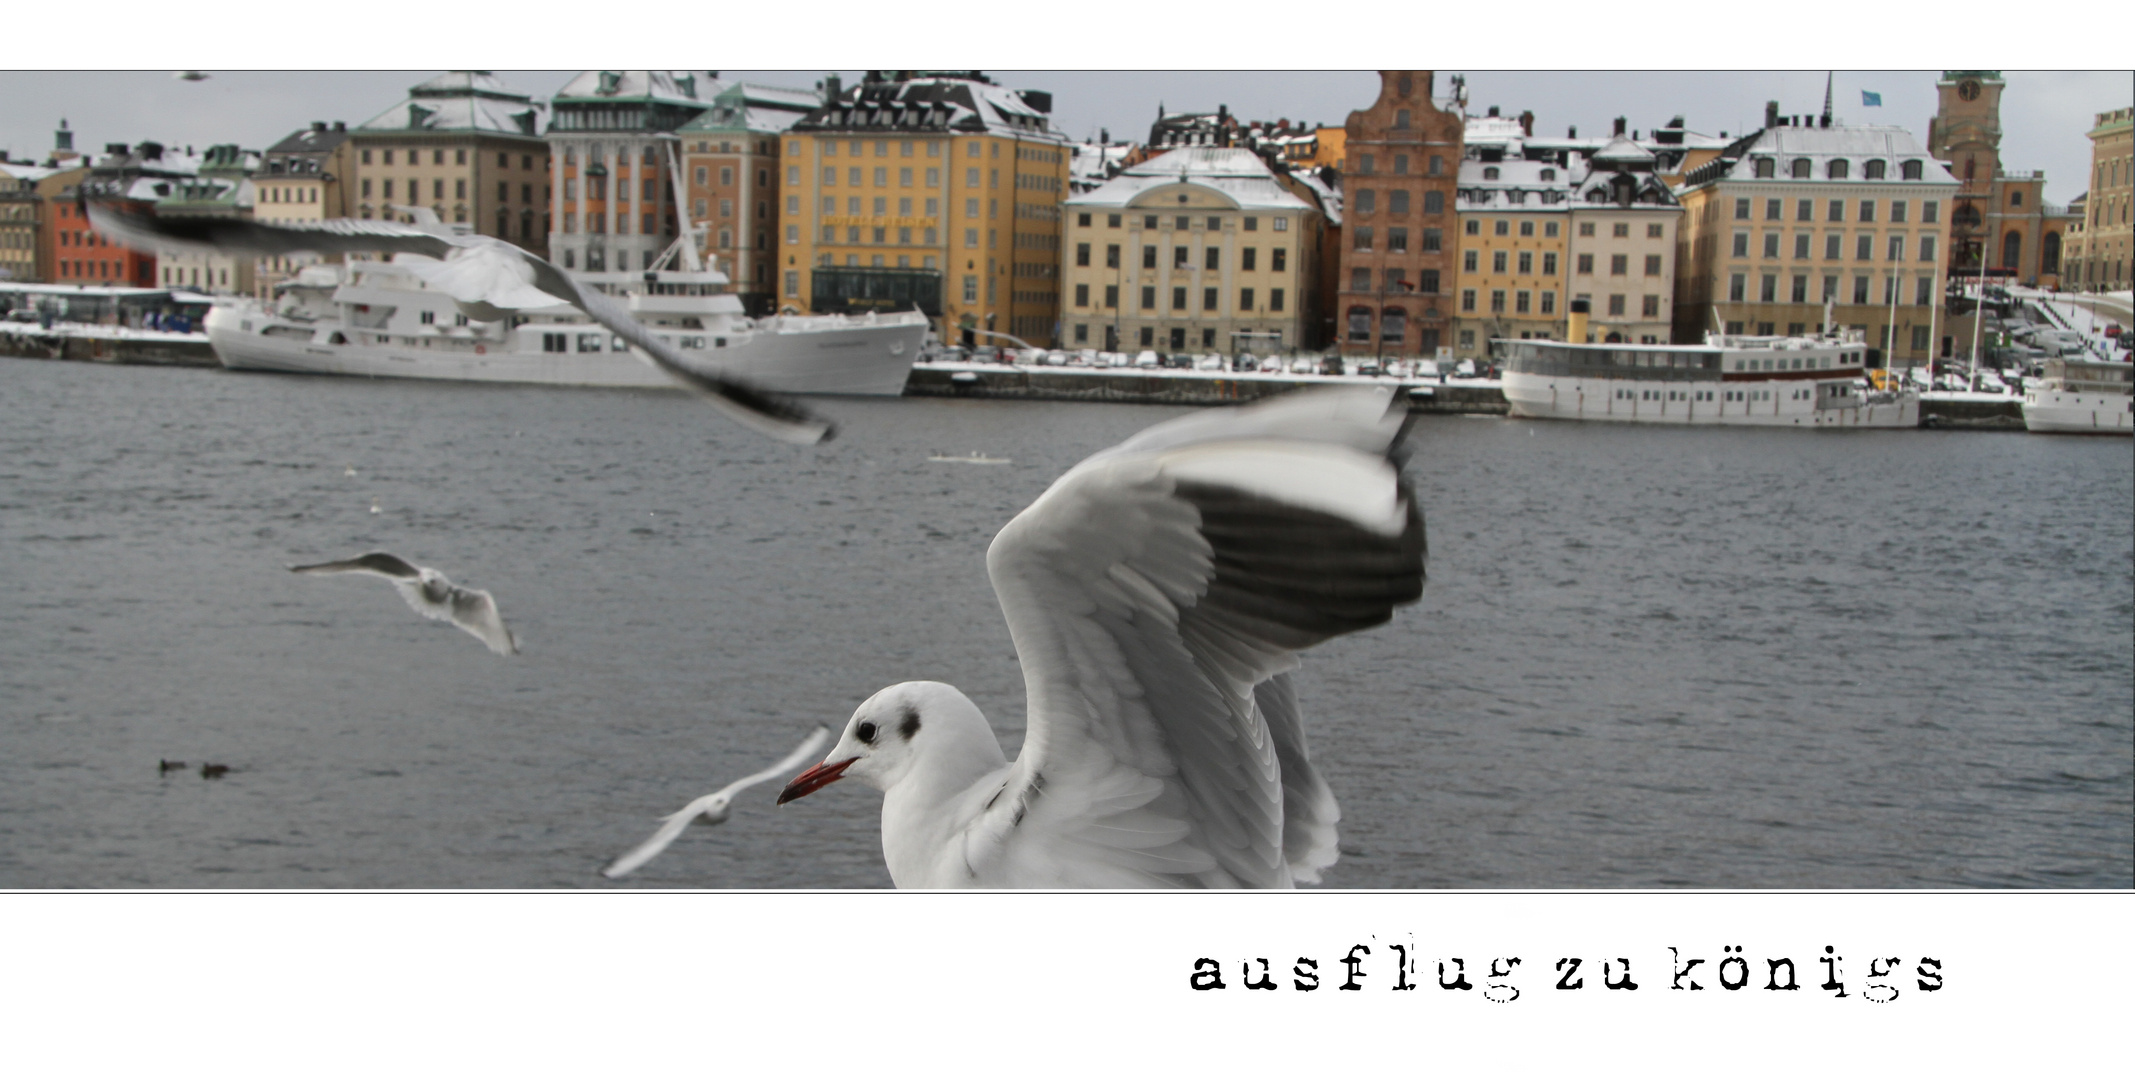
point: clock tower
(1966, 132)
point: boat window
(616, 344)
(589, 343)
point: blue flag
(1871, 99)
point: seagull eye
(866, 731)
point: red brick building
(1399, 170)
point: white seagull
(713, 808)
(486, 277)
(1157, 595)
(431, 595)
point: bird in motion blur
(486, 278)
(1157, 595)
(432, 596)
(713, 808)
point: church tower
(1966, 132)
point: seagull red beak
(819, 777)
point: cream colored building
(1515, 218)
(1622, 253)
(1198, 249)
(2106, 264)
(1790, 216)
(467, 147)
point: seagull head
(903, 727)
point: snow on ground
(1233, 376)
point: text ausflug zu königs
(1502, 979)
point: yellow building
(1200, 249)
(939, 191)
(2105, 263)
(1790, 216)
(1514, 216)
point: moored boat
(2081, 397)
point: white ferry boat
(1810, 382)
(379, 319)
(2086, 397)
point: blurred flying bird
(431, 595)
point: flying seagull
(486, 277)
(1157, 595)
(713, 807)
(431, 595)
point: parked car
(1304, 365)
(1147, 358)
(1210, 362)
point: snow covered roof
(317, 139)
(1330, 197)
(21, 170)
(676, 87)
(461, 101)
(1820, 152)
(923, 102)
(1517, 184)
(1240, 175)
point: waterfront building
(1620, 255)
(730, 159)
(613, 136)
(1795, 214)
(2000, 223)
(1514, 216)
(1399, 173)
(934, 190)
(2104, 265)
(21, 218)
(467, 147)
(127, 178)
(220, 187)
(304, 177)
(1198, 249)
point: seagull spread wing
(1155, 594)
(672, 825)
(486, 276)
(380, 563)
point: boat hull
(2070, 413)
(862, 359)
(1788, 404)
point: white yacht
(379, 319)
(2084, 397)
(1809, 382)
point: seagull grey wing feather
(754, 408)
(334, 236)
(1309, 812)
(1149, 595)
(380, 563)
(672, 825)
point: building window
(1367, 201)
(1527, 228)
(1245, 300)
(1800, 294)
(1501, 227)
(1208, 299)
(1653, 262)
(1275, 300)
(1082, 296)
(1363, 237)
(1082, 253)
(1927, 249)
(1868, 210)
(1837, 170)
(1467, 299)
(1650, 306)
(1736, 286)
(1397, 239)
(1864, 247)
(1929, 212)
(1148, 256)
(1771, 245)
(1860, 289)
(1359, 324)
(1897, 248)
(1620, 265)
(1434, 202)
(1527, 262)
(1897, 211)
(1277, 259)
(1497, 262)
(1616, 303)
(1497, 301)
(1741, 249)
(1742, 209)
(1521, 301)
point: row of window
(1184, 222)
(1394, 279)
(1180, 294)
(648, 224)
(1397, 238)
(1182, 257)
(649, 190)
(1367, 165)
(1864, 246)
(1767, 168)
(1393, 329)
(1177, 336)
(596, 154)
(279, 194)
(1798, 290)
(1366, 201)
(1835, 210)
(414, 156)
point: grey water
(1644, 658)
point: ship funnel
(1575, 324)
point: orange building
(1399, 176)
(730, 164)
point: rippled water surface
(1644, 657)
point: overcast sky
(2044, 114)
